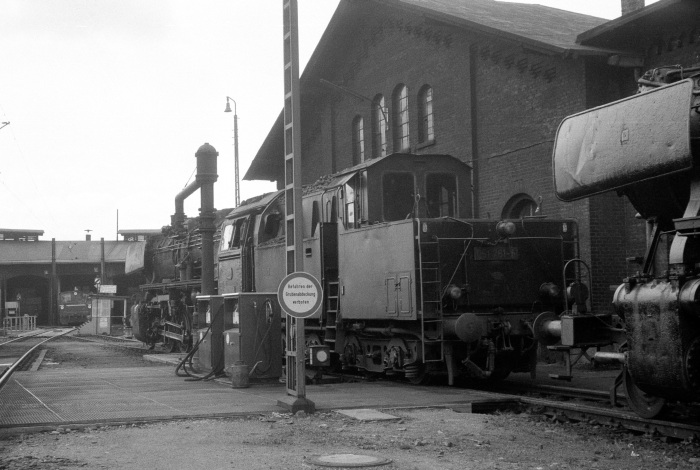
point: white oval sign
(300, 295)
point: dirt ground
(418, 440)
(68, 352)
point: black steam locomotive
(647, 147)
(412, 286)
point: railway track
(25, 346)
(558, 403)
(595, 407)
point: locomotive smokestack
(206, 177)
(628, 6)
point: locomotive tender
(412, 285)
(647, 148)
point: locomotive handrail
(486, 238)
(577, 277)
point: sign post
(295, 349)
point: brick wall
(394, 49)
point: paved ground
(85, 383)
(70, 396)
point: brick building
(485, 81)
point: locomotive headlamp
(505, 229)
(454, 292)
(319, 355)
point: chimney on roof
(628, 6)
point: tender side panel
(377, 272)
(628, 141)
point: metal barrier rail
(23, 323)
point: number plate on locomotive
(496, 253)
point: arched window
(358, 140)
(400, 105)
(426, 129)
(379, 113)
(519, 206)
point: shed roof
(67, 252)
(633, 30)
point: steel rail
(8, 372)
(557, 390)
(119, 343)
(22, 337)
(625, 419)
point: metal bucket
(240, 373)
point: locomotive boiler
(646, 147)
(412, 286)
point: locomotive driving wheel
(643, 404)
(416, 373)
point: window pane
(426, 130)
(379, 113)
(226, 237)
(401, 141)
(358, 140)
(397, 195)
(441, 194)
(349, 205)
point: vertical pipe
(474, 131)
(102, 261)
(52, 290)
(206, 176)
(235, 156)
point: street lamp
(235, 145)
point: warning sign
(300, 295)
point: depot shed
(33, 272)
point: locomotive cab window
(397, 195)
(233, 235)
(226, 237)
(441, 195)
(355, 200)
(272, 223)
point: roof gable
(545, 29)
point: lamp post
(235, 145)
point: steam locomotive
(74, 308)
(646, 148)
(412, 286)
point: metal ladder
(431, 314)
(332, 314)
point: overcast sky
(108, 101)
